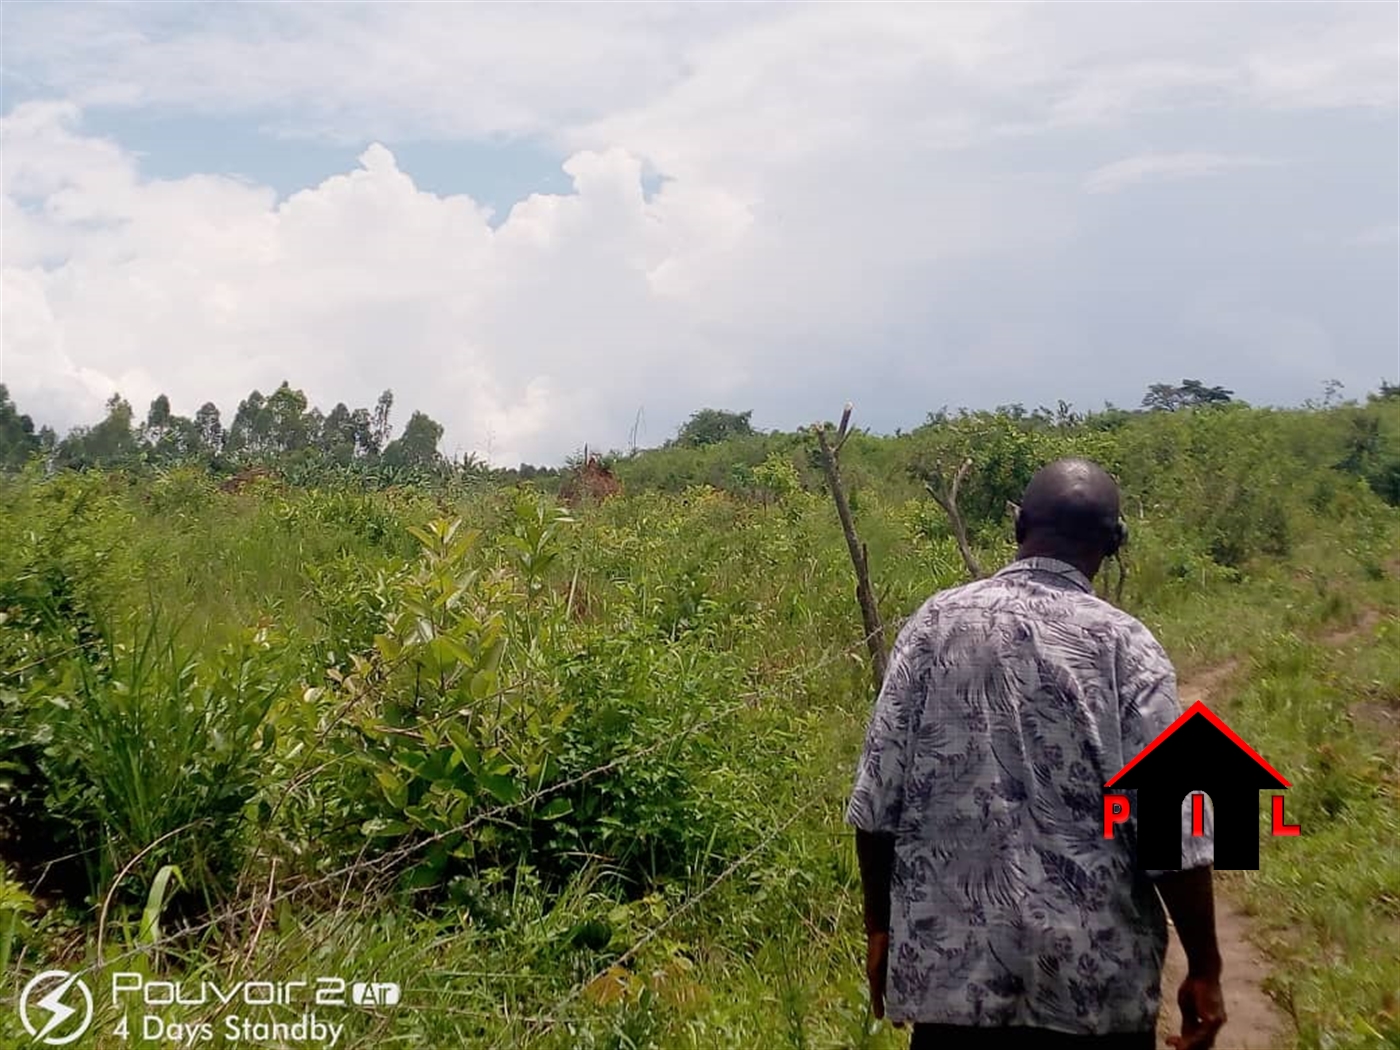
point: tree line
(284, 430)
(280, 428)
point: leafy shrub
(657, 815)
(180, 493)
(441, 714)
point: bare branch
(949, 502)
(842, 433)
(958, 479)
(860, 557)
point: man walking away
(996, 912)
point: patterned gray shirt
(1007, 705)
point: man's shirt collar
(1051, 565)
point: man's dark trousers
(955, 1037)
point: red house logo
(1196, 753)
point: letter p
(124, 982)
(1115, 811)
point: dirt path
(1254, 1022)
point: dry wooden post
(949, 502)
(865, 595)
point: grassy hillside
(577, 778)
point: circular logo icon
(54, 1008)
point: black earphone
(1117, 537)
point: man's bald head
(1069, 511)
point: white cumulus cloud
(360, 283)
(878, 195)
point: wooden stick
(949, 502)
(860, 556)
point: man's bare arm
(1190, 900)
(875, 854)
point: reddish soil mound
(590, 483)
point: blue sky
(495, 172)
(531, 220)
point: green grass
(1327, 904)
(645, 719)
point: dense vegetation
(576, 776)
